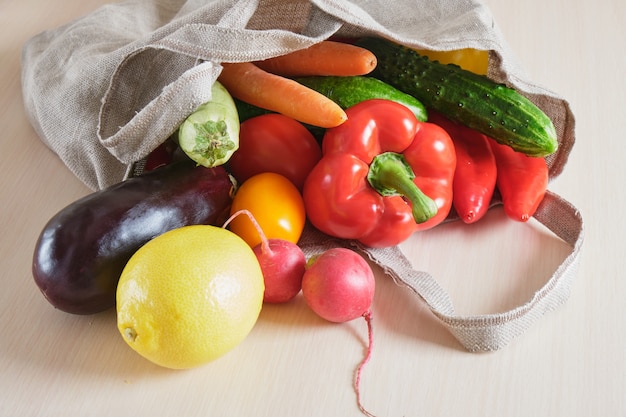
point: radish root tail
(264, 241)
(357, 380)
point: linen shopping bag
(105, 90)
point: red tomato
(275, 143)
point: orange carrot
(323, 58)
(249, 83)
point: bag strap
(493, 331)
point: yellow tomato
(276, 205)
(469, 59)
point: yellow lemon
(189, 296)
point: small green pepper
(210, 135)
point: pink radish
(339, 286)
(282, 263)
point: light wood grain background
(570, 364)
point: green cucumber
(248, 111)
(350, 90)
(474, 100)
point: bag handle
(492, 331)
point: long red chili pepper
(522, 181)
(475, 174)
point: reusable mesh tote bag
(105, 90)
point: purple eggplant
(82, 250)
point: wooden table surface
(569, 364)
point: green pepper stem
(390, 174)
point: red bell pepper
(383, 176)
